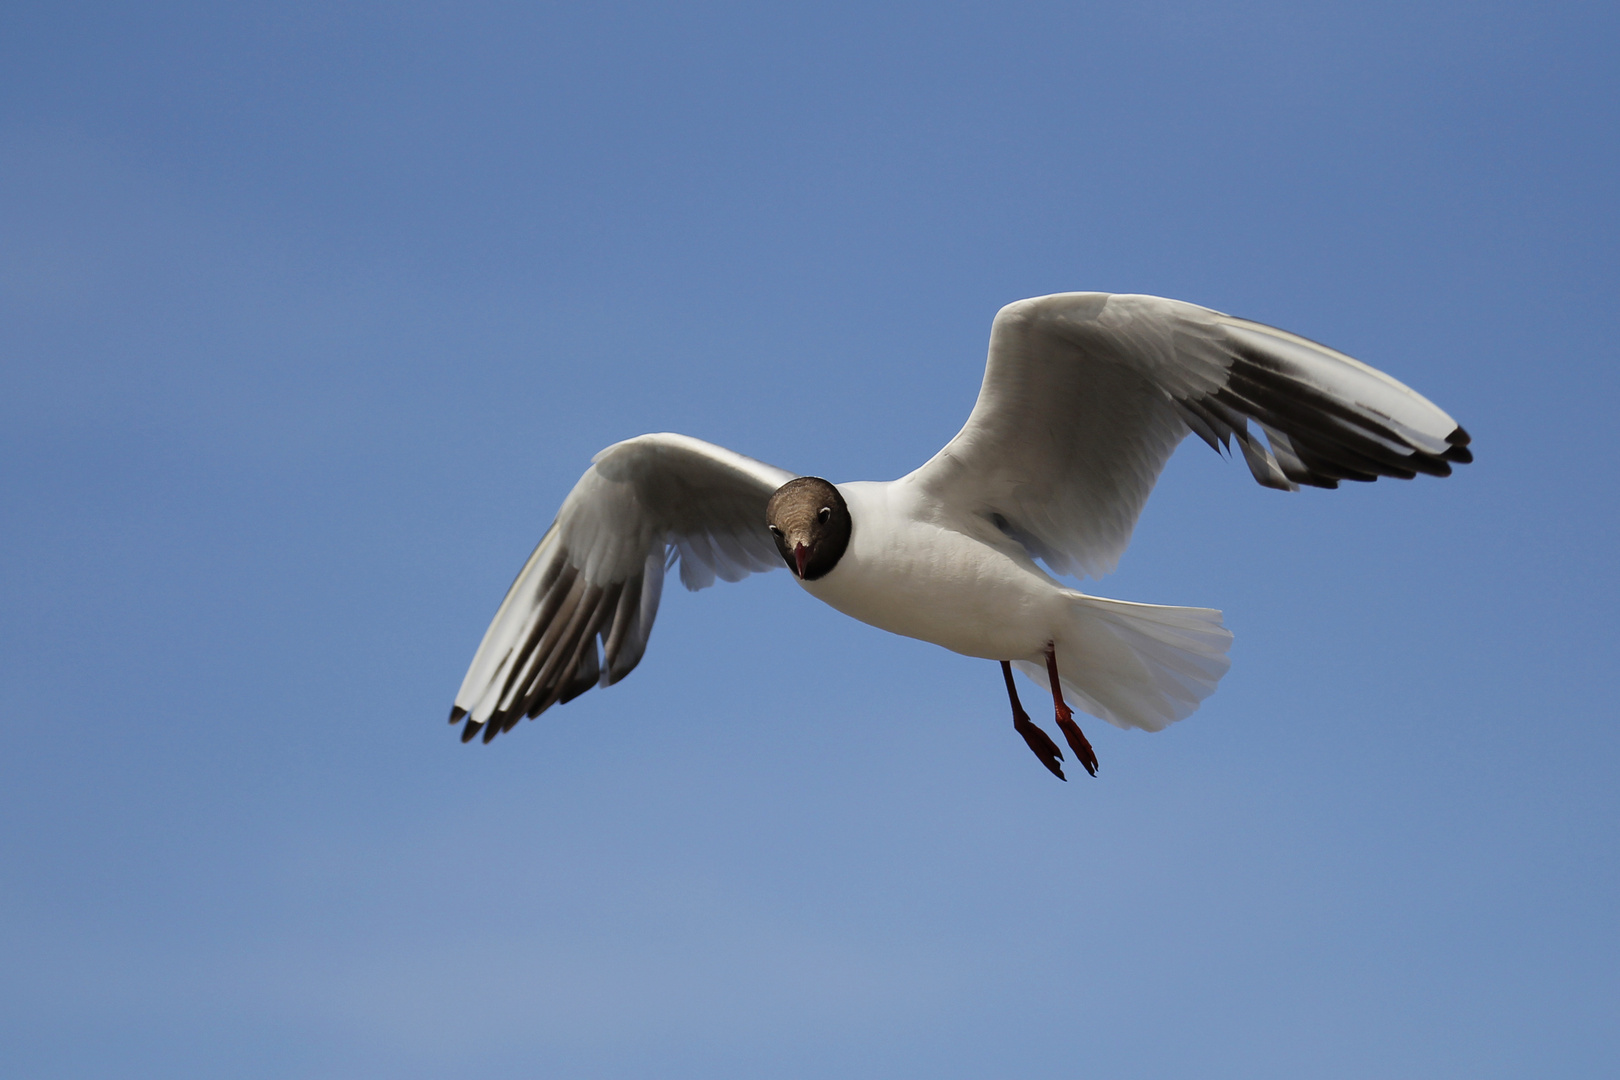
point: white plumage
(1085, 396)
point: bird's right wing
(598, 572)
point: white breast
(909, 574)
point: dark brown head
(810, 523)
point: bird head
(810, 523)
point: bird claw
(1041, 744)
(1077, 741)
(1065, 716)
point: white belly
(924, 581)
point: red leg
(1039, 741)
(1065, 717)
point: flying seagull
(1085, 395)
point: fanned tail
(1138, 665)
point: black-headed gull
(1085, 395)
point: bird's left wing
(599, 570)
(1086, 395)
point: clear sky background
(310, 314)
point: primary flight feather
(1085, 396)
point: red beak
(801, 555)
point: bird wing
(599, 570)
(1086, 395)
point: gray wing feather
(598, 573)
(1086, 395)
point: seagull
(1085, 396)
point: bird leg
(1065, 716)
(1039, 741)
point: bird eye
(824, 515)
(775, 531)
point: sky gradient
(311, 314)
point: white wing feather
(598, 572)
(1086, 395)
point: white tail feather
(1138, 665)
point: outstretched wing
(1086, 395)
(598, 572)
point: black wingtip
(491, 730)
(1459, 437)
(1460, 454)
(470, 730)
(456, 713)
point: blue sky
(310, 315)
